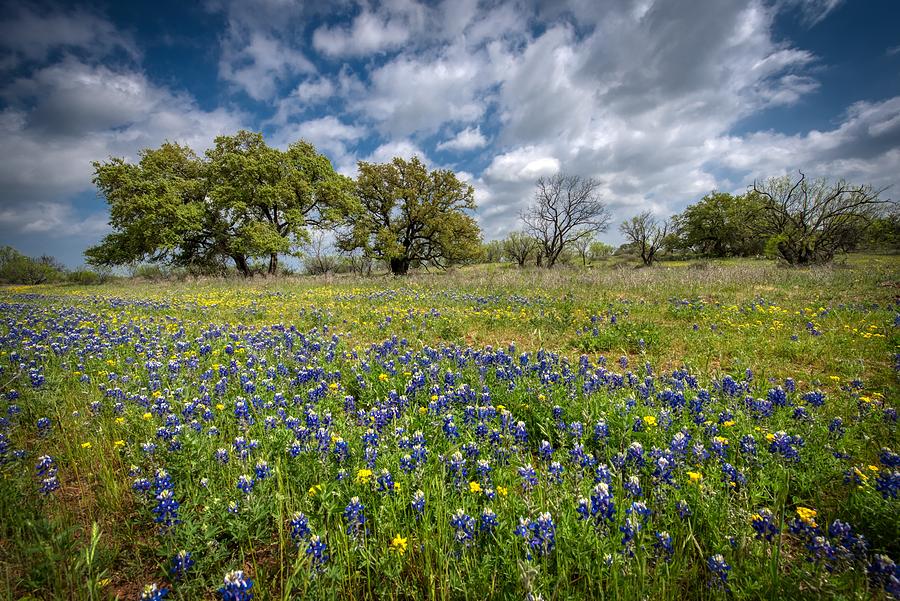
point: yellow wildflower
(806, 515)
(119, 443)
(383, 377)
(220, 406)
(650, 420)
(398, 544)
(85, 445)
(363, 476)
(423, 410)
(474, 487)
(728, 423)
(695, 476)
(502, 491)
(147, 415)
(315, 489)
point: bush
(16, 268)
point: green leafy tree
(16, 268)
(275, 195)
(600, 250)
(406, 215)
(492, 251)
(519, 246)
(720, 225)
(242, 200)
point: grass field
(722, 429)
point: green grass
(315, 341)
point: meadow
(724, 429)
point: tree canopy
(720, 225)
(406, 215)
(808, 221)
(242, 200)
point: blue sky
(662, 101)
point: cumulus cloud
(469, 138)
(60, 116)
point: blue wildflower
(236, 587)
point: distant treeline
(16, 268)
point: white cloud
(413, 94)
(403, 148)
(64, 116)
(329, 135)
(367, 34)
(469, 138)
(258, 63)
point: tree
(565, 209)
(809, 221)
(646, 234)
(720, 225)
(492, 251)
(582, 246)
(518, 246)
(406, 215)
(600, 250)
(16, 268)
(316, 258)
(242, 200)
(276, 194)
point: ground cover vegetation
(676, 432)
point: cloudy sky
(661, 100)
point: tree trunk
(240, 261)
(273, 264)
(400, 266)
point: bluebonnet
(785, 445)
(719, 569)
(166, 509)
(884, 573)
(463, 526)
(355, 516)
(299, 528)
(556, 470)
(245, 484)
(539, 534)
(488, 520)
(262, 470)
(663, 546)
(385, 481)
(888, 483)
(236, 587)
(153, 592)
(764, 524)
(633, 486)
(181, 563)
(317, 551)
(418, 503)
(529, 477)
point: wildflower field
(727, 431)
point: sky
(662, 101)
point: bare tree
(647, 234)
(565, 209)
(518, 246)
(316, 259)
(809, 221)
